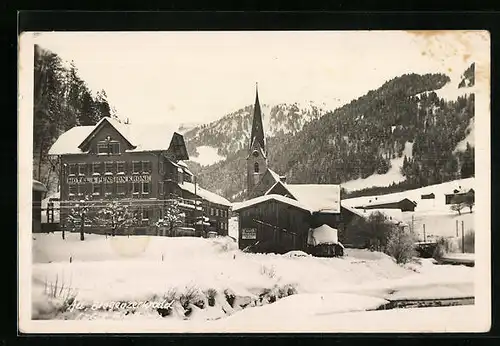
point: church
(278, 216)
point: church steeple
(257, 135)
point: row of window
(108, 189)
(218, 212)
(109, 167)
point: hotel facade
(138, 165)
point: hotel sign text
(144, 178)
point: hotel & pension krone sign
(143, 178)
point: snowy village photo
(244, 182)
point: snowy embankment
(392, 176)
(142, 268)
(206, 156)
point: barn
(387, 202)
(38, 190)
(284, 218)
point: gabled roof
(121, 129)
(265, 198)
(145, 137)
(380, 200)
(205, 194)
(318, 197)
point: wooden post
(412, 225)
(457, 227)
(463, 238)
(424, 234)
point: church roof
(257, 134)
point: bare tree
(118, 215)
(78, 215)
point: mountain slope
(367, 136)
(231, 133)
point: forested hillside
(362, 137)
(61, 100)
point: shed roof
(205, 194)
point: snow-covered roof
(317, 197)
(145, 137)
(392, 215)
(279, 198)
(377, 200)
(38, 186)
(275, 175)
(205, 194)
(323, 234)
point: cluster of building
(144, 166)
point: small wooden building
(404, 204)
(39, 190)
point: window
(73, 190)
(216, 212)
(79, 189)
(136, 166)
(108, 189)
(96, 168)
(211, 211)
(145, 188)
(256, 167)
(146, 166)
(160, 188)
(121, 188)
(160, 167)
(114, 148)
(102, 148)
(136, 187)
(145, 214)
(120, 167)
(81, 168)
(72, 169)
(108, 148)
(108, 168)
(96, 189)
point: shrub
(268, 271)
(190, 296)
(230, 296)
(443, 246)
(211, 293)
(401, 245)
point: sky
(198, 77)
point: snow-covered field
(142, 268)
(438, 218)
(206, 156)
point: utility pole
(463, 238)
(412, 221)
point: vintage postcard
(242, 182)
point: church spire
(257, 128)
